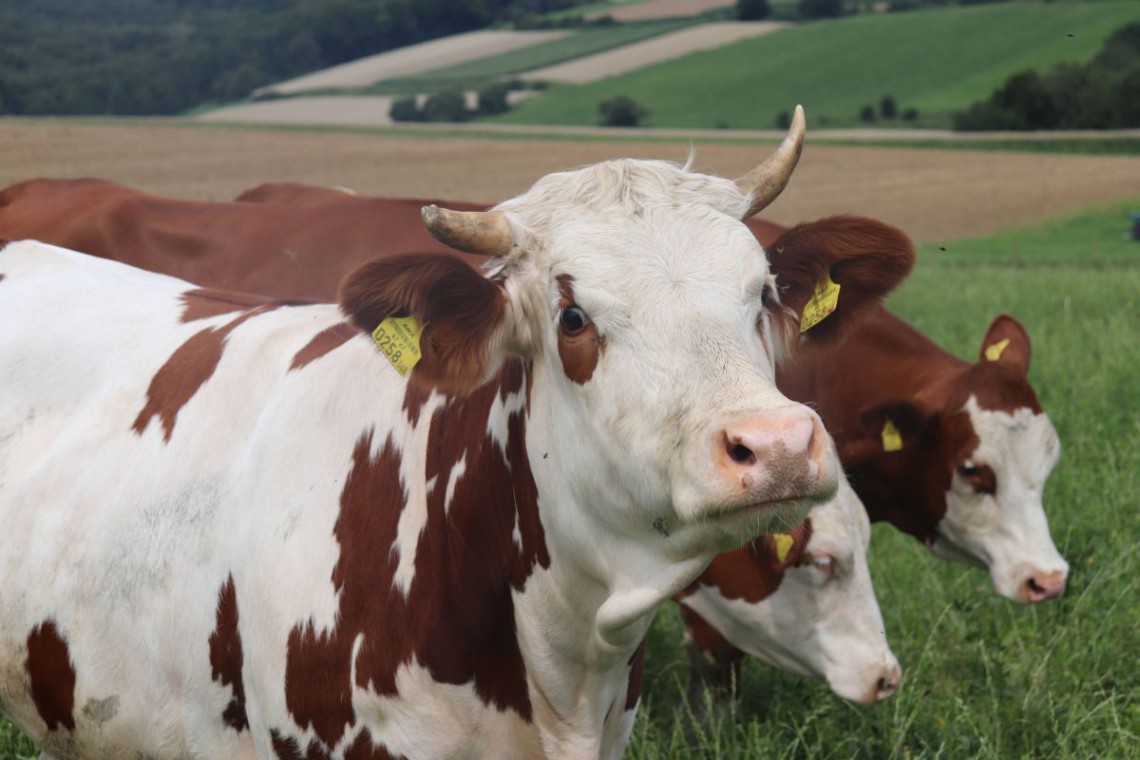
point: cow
(433, 519)
(801, 601)
(954, 453)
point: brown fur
(457, 619)
(458, 308)
(226, 656)
(51, 676)
(324, 342)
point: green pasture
(985, 678)
(937, 60)
(577, 44)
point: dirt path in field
(656, 50)
(415, 59)
(933, 195)
(660, 9)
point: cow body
(239, 532)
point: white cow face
(822, 620)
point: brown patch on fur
(579, 352)
(866, 257)
(415, 396)
(203, 303)
(719, 660)
(457, 619)
(1, 273)
(754, 571)
(51, 676)
(362, 748)
(327, 340)
(187, 369)
(636, 676)
(226, 656)
(290, 748)
(457, 307)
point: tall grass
(985, 678)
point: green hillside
(936, 60)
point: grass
(985, 678)
(937, 60)
(574, 45)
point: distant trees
(820, 8)
(1102, 94)
(753, 10)
(621, 111)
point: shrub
(910, 114)
(621, 111)
(867, 114)
(820, 8)
(887, 108)
(405, 109)
(493, 98)
(783, 120)
(448, 105)
(752, 10)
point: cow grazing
(952, 452)
(800, 601)
(233, 529)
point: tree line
(160, 57)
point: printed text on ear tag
(892, 439)
(825, 300)
(784, 543)
(399, 340)
(994, 352)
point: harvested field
(664, 48)
(934, 195)
(414, 59)
(660, 9)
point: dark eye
(573, 320)
(766, 295)
(981, 477)
(968, 469)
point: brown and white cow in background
(233, 530)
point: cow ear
(458, 312)
(895, 424)
(1007, 342)
(865, 258)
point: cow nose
(1041, 586)
(776, 456)
(888, 683)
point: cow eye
(968, 469)
(825, 563)
(766, 295)
(573, 320)
(980, 477)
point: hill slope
(936, 60)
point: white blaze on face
(1006, 530)
(824, 620)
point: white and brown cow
(801, 601)
(233, 530)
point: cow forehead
(1023, 440)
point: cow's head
(804, 603)
(987, 448)
(649, 319)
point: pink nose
(1041, 586)
(776, 456)
(888, 683)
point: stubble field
(985, 678)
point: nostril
(1035, 588)
(887, 687)
(741, 454)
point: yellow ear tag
(892, 439)
(784, 544)
(994, 352)
(399, 340)
(825, 301)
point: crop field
(936, 60)
(985, 678)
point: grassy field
(985, 678)
(937, 60)
(581, 43)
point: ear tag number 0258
(399, 339)
(825, 301)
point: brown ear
(908, 422)
(1007, 342)
(457, 308)
(867, 258)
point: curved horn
(766, 181)
(486, 233)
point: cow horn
(767, 180)
(486, 233)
